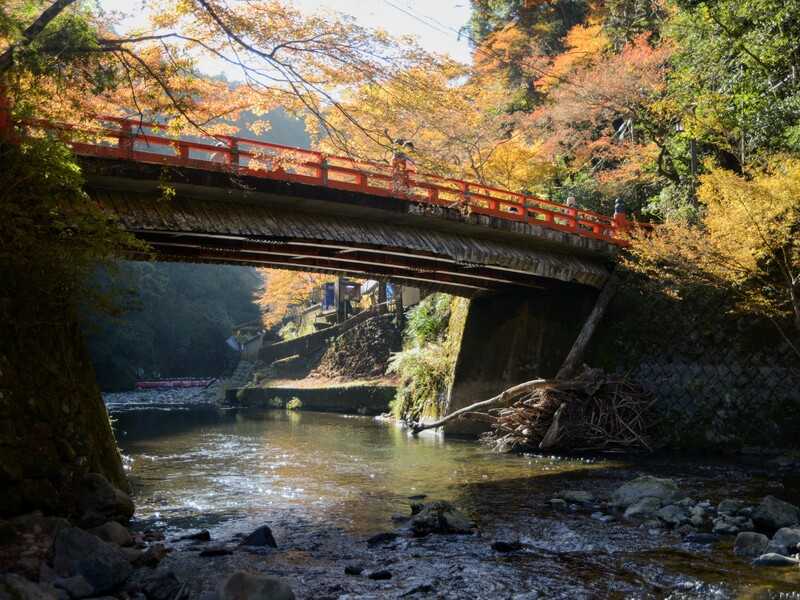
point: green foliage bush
(294, 404)
(425, 366)
(427, 321)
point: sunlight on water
(231, 470)
(353, 470)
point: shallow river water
(325, 483)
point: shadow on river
(324, 483)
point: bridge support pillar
(508, 339)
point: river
(325, 483)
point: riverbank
(326, 484)
(521, 544)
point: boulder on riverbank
(646, 486)
(750, 544)
(100, 502)
(785, 541)
(244, 586)
(114, 533)
(440, 517)
(79, 553)
(775, 560)
(773, 514)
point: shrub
(294, 404)
(424, 374)
(427, 321)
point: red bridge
(244, 201)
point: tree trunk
(574, 360)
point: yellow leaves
(584, 45)
(516, 165)
(746, 241)
(752, 221)
(284, 289)
(457, 121)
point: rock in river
(730, 506)
(785, 541)
(775, 560)
(644, 487)
(673, 515)
(440, 517)
(244, 586)
(644, 508)
(99, 502)
(750, 544)
(576, 496)
(728, 525)
(772, 514)
(76, 552)
(260, 537)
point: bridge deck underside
(202, 230)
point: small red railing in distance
(160, 384)
(130, 139)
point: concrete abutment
(511, 338)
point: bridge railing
(144, 142)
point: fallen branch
(512, 392)
(507, 396)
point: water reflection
(215, 465)
(232, 470)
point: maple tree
(599, 115)
(283, 289)
(456, 120)
(283, 57)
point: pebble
(602, 517)
(380, 575)
(217, 551)
(382, 538)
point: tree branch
(34, 29)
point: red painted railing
(157, 384)
(129, 139)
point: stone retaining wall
(348, 399)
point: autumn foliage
(284, 289)
(746, 241)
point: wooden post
(574, 359)
(126, 140)
(233, 145)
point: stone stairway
(215, 393)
